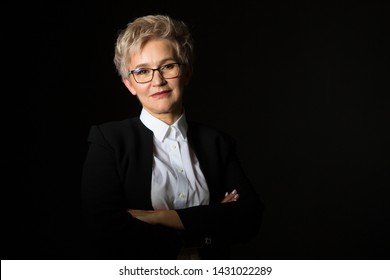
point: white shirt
(177, 180)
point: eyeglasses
(145, 75)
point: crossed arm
(170, 218)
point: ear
(129, 86)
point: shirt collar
(160, 129)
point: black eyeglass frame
(156, 69)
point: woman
(160, 186)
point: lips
(160, 94)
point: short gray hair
(143, 29)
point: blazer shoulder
(114, 131)
(113, 127)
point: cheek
(133, 87)
(140, 90)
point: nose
(157, 78)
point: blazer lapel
(140, 161)
(205, 151)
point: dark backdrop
(303, 89)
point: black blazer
(117, 176)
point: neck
(169, 118)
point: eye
(141, 71)
(168, 66)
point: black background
(302, 87)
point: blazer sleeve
(232, 222)
(113, 230)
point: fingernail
(226, 194)
(234, 191)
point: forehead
(153, 52)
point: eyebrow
(146, 65)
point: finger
(229, 197)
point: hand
(148, 216)
(168, 218)
(230, 197)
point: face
(160, 97)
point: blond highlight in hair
(143, 29)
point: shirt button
(208, 240)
